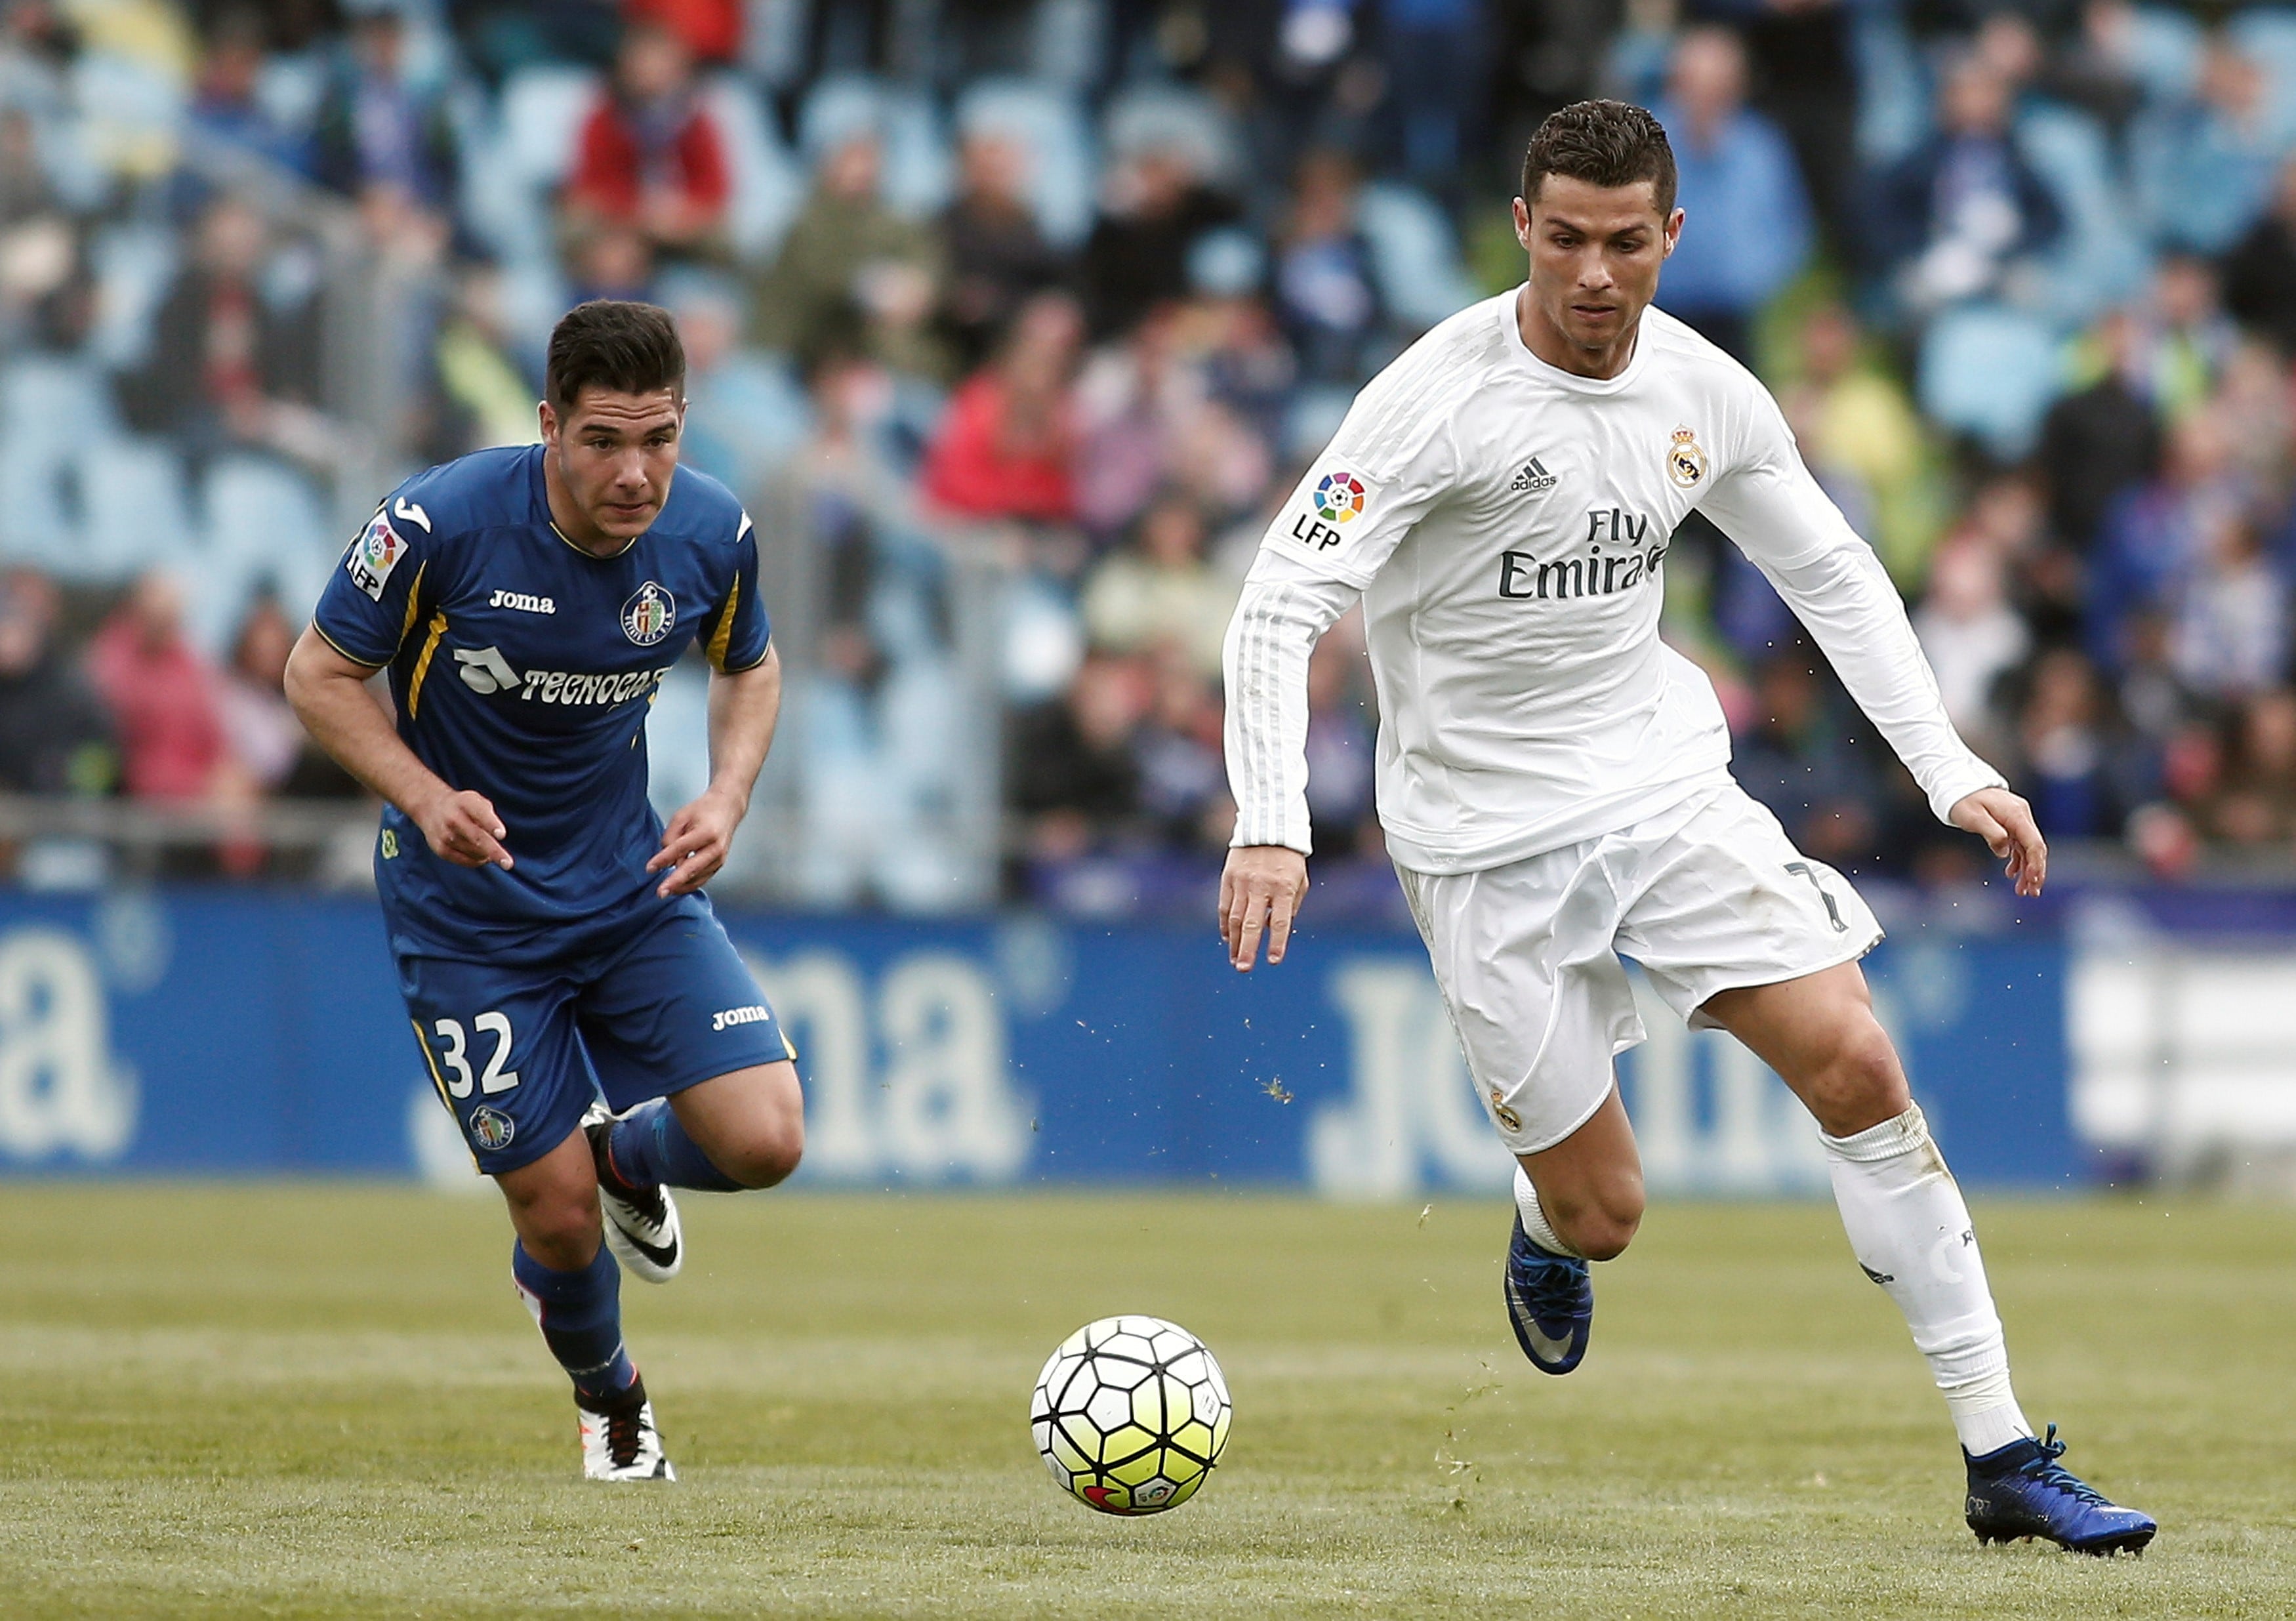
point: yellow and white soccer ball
(1130, 1414)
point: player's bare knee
(1861, 1084)
(767, 1155)
(1600, 1224)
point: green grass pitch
(323, 1402)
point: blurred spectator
(499, 37)
(1806, 80)
(2182, 342)
(261, 732)
(851, 268)
(1958, 214)
(2098, 440)
(2203, 165)
(2155, 535)
(610, 261)
(376, 128)
(1800, 759)
(2261, 273)
(742, 413)
(1327, 296)
(2062, 740)
(2231, 635)
(1971, 633)
(163, 697)
(228, 121)
(1862, 420)
(1160, 592)
(1747, 229)
(1157, 207)
(650, 158)
(1183, 777)
(1006, 447)
(481, 395)
(229, 366)
(1430, 49)
(47, 297)
(711, 29)
(2256, 804)
(55, 736)
(997, 257)
(1070, 772)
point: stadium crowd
(1065, 294)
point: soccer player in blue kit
(551, 939)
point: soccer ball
(1130, 1414)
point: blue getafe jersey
(523, 667)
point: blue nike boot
(1550, 1301)
(2022, 1490)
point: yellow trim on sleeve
(722, 637)
(345, 651)
(413, 600)
(423, 661)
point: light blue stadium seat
(52, 408)
(1051, 128)
(517, 163)
(133, 490)
(1415, 254)
(1990, 372)
(2100, 259)
(262, 521)
(918, 165)
(768, 184)
(2267, 35)
(134, 266)
(124, 104)
(1173, 116)
(1893, 91)
(2165, 52)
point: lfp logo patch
(374, 555)
(647, 617)
(1340, 498)
(491, 1129)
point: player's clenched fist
(1261, 889)
(463, 829)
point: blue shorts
(518, 1053)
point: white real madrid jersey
(1506, 525)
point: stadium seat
(263, 522)
(1415, 254)
(769, 186)
(542, 110)
(2100, 258)
(2164, 52)
(1160, 115)
(51, 408)
(1990, 372)
(1052, 130)
(132, 488)
(917, 167)
(2267, 35)
(1893, 102)
(134, 265)
(130, 112)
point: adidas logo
(1533, 478)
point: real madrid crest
(1686, 462)
(647, 617)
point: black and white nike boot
(619, 1441)
(641, 1226)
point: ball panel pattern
(1130, 1414)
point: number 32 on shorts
(456, 1056)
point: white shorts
(1706, 896)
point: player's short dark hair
(1605, 143)
(615, 344)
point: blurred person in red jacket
(164, 700)
(1006, 446)
(650, 156)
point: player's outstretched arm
(1260, 890)
(2005, 822)
(330, 697)
(744, 707)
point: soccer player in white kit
(1554, 781)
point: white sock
(1910, 1230)
(1534, 1219)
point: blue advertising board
(218, 1032)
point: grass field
(322, 1402)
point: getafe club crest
(491, 1129)
(647, 617)
(1686, 462)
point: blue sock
(580, 1315)
(648, 1147)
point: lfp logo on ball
(1339, 499)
